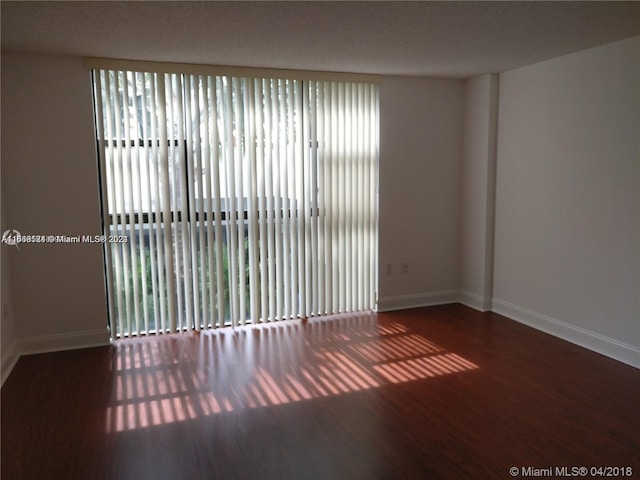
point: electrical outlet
(405, 267)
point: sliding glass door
(235, 199)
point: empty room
(320, 240)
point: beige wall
(567, 244)
(49, 184)
(50, 181)
(420, 154)
(478, 191)
(8, 343)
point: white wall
(49, 184)
(478, 191)
(567, 241)
(420, 155)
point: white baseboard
(400, 302)
(65, 341)
(474, 301)
(9, 359)
(596, 342)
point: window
(235, 199)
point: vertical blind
(234, 200)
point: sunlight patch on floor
(160, 382)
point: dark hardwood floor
(440, 392)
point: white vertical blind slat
(229, 200)
(182, 203)
(216, 184)
(371, 187)
(201, 144)
(239, 139)
(287, 174)
(308, 269)
(277, 191)
(262, 205)
(301, 154)
(139, 176)
(361, 200)
(172, 185)
(334, 162)
(208, 265)
(373, 194)
(174, 173)
(190, 241)
(320, 168)
(147, 167)
(103, 148)
(329, 200)
(354, 202)
(338, 215)
(252, 204)
(166, 214)
(156, 224)
(347, 222)
(367, 187)
(121, 167)
(271, 221)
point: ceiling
(442, 39)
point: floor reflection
(173, 378)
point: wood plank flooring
(440, 392)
